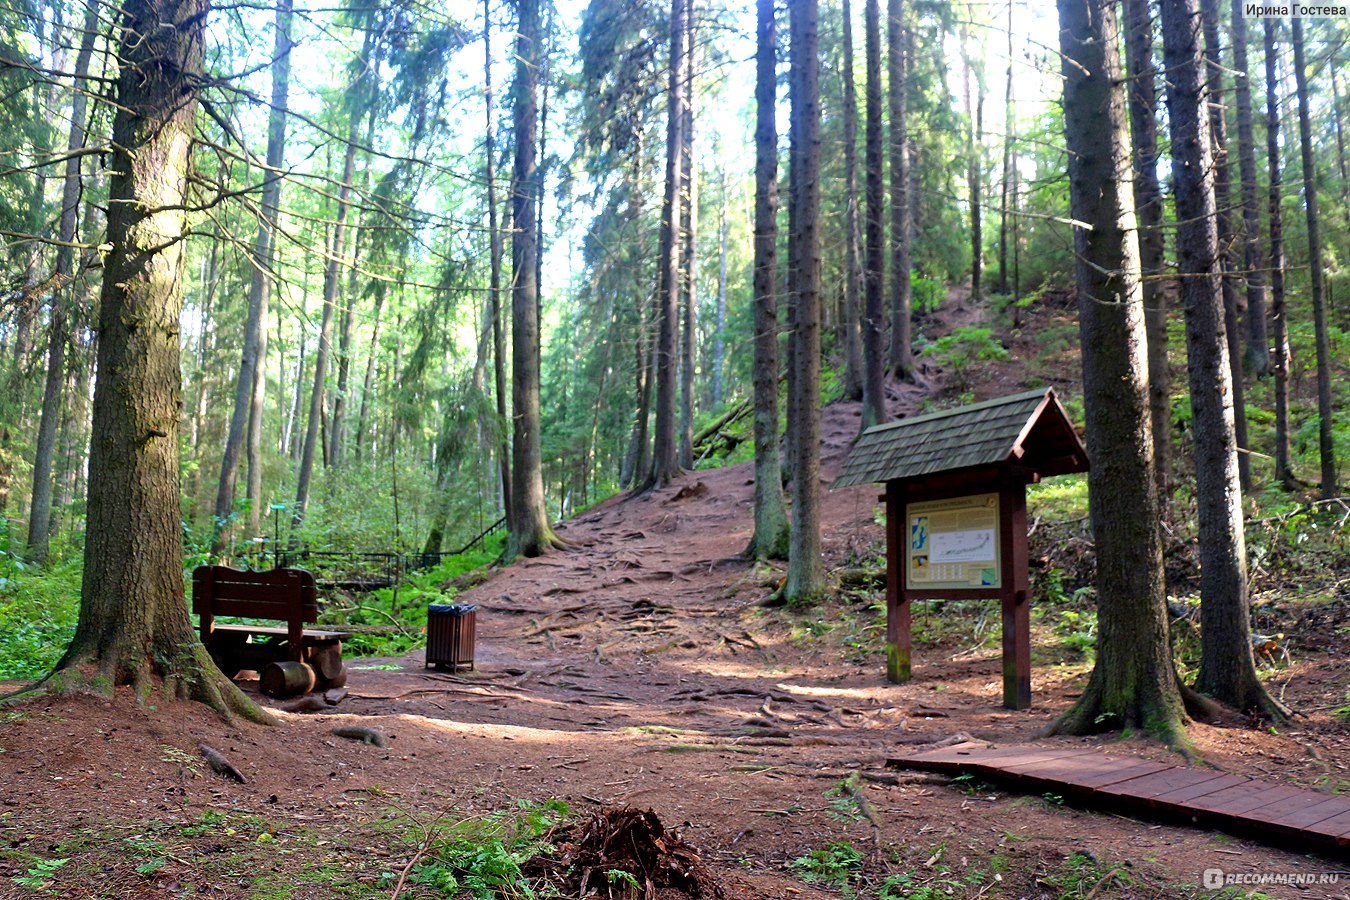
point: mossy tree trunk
(134, 625)
(1134, 683)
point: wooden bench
(290, 660)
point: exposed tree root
(191, 675)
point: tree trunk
(1148, 203)
(1209, 10)
(770, 540)
(720, 338)
(1258, 342)
(664, 462)
(1009, 137)
(1280, 363)
(495, 267)
(1227, 671)
(368, 384)
(292, 442)
(1133, 684)
(250, 389)
(133, 623)
(805, 575)
(901, 352)
(331, 282)
(974, 133)
(531, 534)
(39, 520)
(689, 263)
(1325, 447)
(852, 335)
(874, 273)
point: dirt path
(640, 669)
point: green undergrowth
(397, 616)
(38, 611)
(246, 855)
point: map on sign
(953, 543)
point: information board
(953, 543)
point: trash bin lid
(451, 609)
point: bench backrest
(285, 595)
(281, 594)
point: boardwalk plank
(1246, 797)
(1313, 811)
(1149, 787)
(1199, 796)
(1183, 796)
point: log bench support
(290, 660)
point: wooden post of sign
(899, 641)
(1014, 594)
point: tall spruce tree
(1133, 684)
(134, 627)
(1227, 670)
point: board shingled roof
(1030, 429)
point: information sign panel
(953, 543)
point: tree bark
(39, 519)
(974, 136)
(805, 575)
(770, 540)
(1148, 203)
(1133, 684)
(1227, 672)
(852, 335)
(1258, 341)
(250, 389)
(874, 273)
(1209, 11)
(665, 465)
(1009, 137)
(1326, 449)
(495, 269)
(1280, 361)
(133, 624)
(720, 337)
(901, 351)
(689, 257)
(530, 534)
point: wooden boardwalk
(1311, 820)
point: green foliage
(962, 349)
(39, 875)
(38, 612)
(482, 857)
(1082, 873)
(402, 610)
(838, 865)
(845, 806)
(1059, 499)
(926, 293)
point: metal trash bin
(451, 631)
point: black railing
(360, 572)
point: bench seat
(310, 634)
